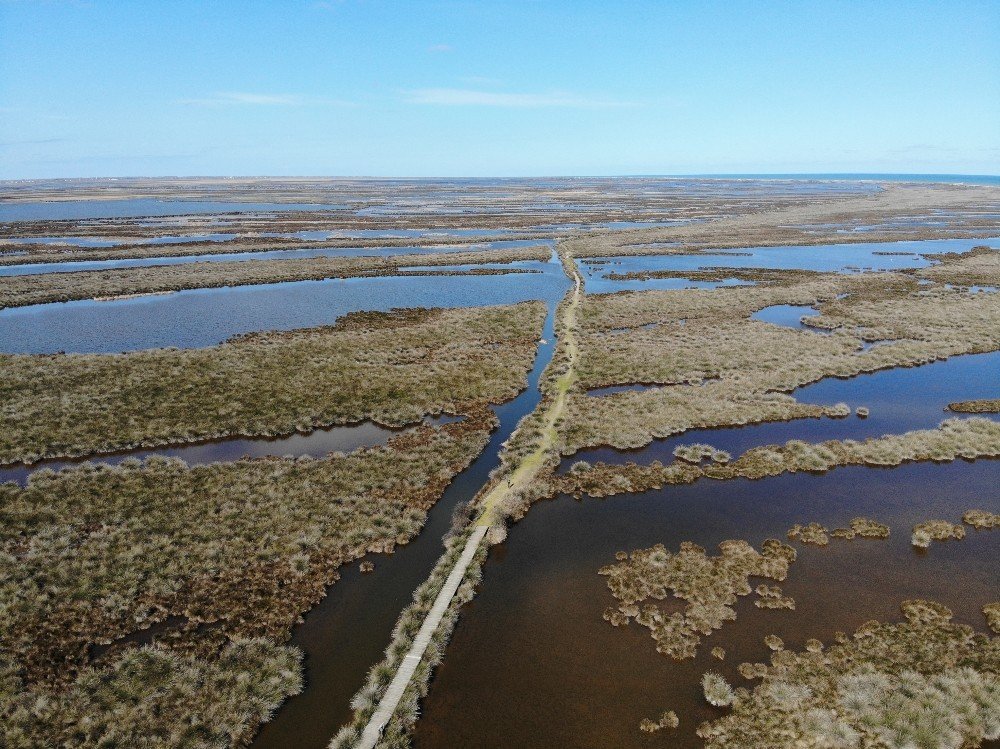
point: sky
(93, 88)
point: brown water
(533, 663)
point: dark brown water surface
(533, 663)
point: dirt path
(518, 478)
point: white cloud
(244, 98)
(468, 97)
(440, 48)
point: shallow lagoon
(74, 210)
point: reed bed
(393, 368)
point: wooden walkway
(523, 474)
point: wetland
(641, 442)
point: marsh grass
(709, 585)
(234, 552)
(19, 291)
(392, 367)
(922, 683)
(953, 439)
(721, 368)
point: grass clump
(984, 406)
(992, 613)
(698, 452)
(813, 533)
(667, 719)
(717, 690)
(922, 683)
(709, 585)
(936, 530)
(981, 519)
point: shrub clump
(925, 682)
(710, 585)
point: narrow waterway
(316, 444)
(348, 631)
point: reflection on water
(532, 662)
(203, 317)
(316, 443)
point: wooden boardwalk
(522, 475)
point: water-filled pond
(787, 315)
(203, 317)
(316, 443)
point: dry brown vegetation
(18, 291)
(390, 367)
(714, 366)
(710, 585)
(983, 406)
(967, 439)
(214, 563)
(924, 682)
(958, 212)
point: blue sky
(355, 87)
